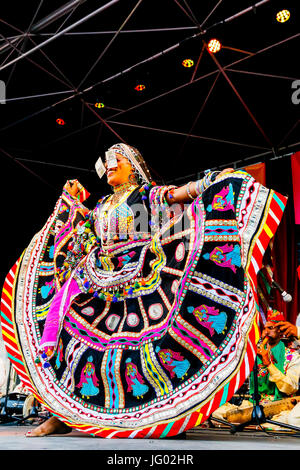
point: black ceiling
(229, 106)
(233, 105)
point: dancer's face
(119, 174)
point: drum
(30, 407)
(241, 394)
(12, 404)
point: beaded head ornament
(133, 155)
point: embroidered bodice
(124, 215)
(114, 219)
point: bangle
(170, 193)
(189, 191)
(199, 187)
(214, 175)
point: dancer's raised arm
(191, 190)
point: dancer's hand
(72, 187)
(223, 172)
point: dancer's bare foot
(51, 426)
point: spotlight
(140, 87)
(214, 46)
(99, 105)
(188, 63)
(60, 121)
(283, 16)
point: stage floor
(12, 438)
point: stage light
(283, 16)
(140, 87)
(214, 46)
(60, 121)
(99, 105)
(188, 63)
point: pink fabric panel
(59, 307)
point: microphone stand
(258, 416)
(286, 297)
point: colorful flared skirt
(165, 329)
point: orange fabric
(258, 171)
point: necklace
(124, 187)
(119, 192)
(111, 218)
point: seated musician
(278, 370)
(292, 332)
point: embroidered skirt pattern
(152, 334)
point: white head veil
(135, 158)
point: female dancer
(114, 286)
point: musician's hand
(223, 172)
(287, 328)
(264, 350)
(264, 334)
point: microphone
(286, 297)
